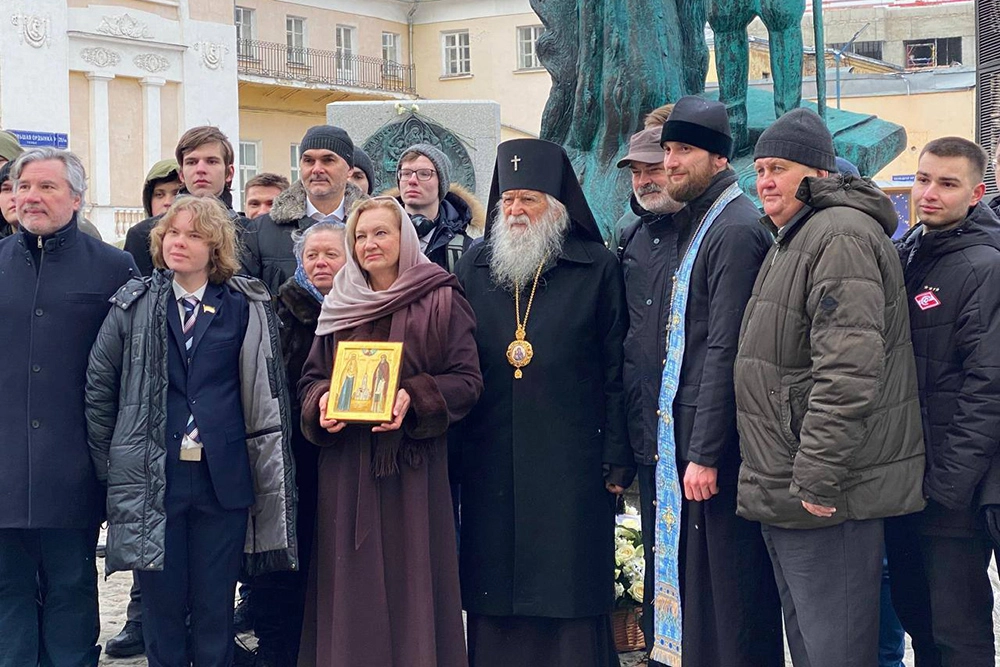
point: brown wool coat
(384, 587)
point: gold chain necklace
(520, 352)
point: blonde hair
(209, 219)
(658, 116)
(362, 205)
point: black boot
(126, 643)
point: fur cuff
(428, 414)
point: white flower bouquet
(630, 566)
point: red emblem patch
(927, 300)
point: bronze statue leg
(729, 19)
(692, 16)
(783, 19)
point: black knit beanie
(332, 139)
(799, 136)
(364, 163)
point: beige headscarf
(352, 301)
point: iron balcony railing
(334, 68)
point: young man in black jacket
(938, 558)
(205, 158)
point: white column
(100, 139)
(151, 130)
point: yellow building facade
(122, 79)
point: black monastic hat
(699, 122)
(536, 164)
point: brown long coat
(384, 588)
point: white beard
(517, 253)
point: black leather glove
(991, 514)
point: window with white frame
(244, 18)
(249, 160)
(345, 53)
(295, 39)
(527, 38)
(455, 53)
(293, 155)
(390, 55)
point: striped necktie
(190, 304)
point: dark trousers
(829, 581)
(133, 612)
(48, 597)
(942, 593)
(202, 557)
(279, 598)
(891, 638)
(730, 604)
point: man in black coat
(206, 159)
(447, 216)
(725, 575)
(322, 194)
(545, 451)
(938, 558)
(53, 299)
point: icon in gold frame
(364, 381)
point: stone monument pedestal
(467, 131)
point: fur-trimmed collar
(478, 222)
(300, 303)
(290, 206)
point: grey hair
(300, 237)
(75, 174)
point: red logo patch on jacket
(927, 300)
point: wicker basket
(628, 632)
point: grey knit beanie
(332, 139)
(799, 136)
(440, 161)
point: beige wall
(214, 11)
(276, 132)
(925, 116)
(126, 132)
(321, 25)
(138, 5)
(79, 120)
(127, 139)
(493, 52)
(170, 110)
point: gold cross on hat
(514, 161)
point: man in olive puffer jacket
(826, 394)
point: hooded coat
(164, 170)
(6, 229)
(826, 385)
(460, 215)
(267, 242)
(953, 285)
(126, 399)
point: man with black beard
(688, 276)
(545, 451)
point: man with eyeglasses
(447, 216)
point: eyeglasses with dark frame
(422, 174)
